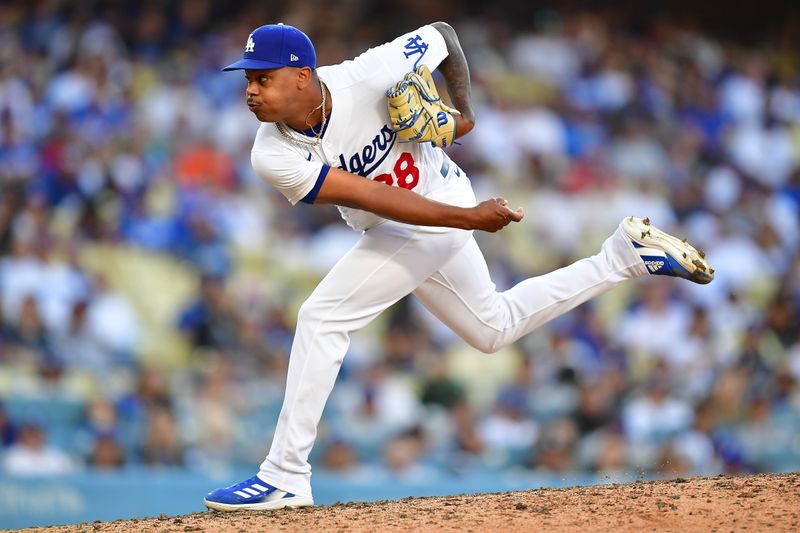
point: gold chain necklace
(305, 141)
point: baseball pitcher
(368, 135)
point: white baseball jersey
(357, 137)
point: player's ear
(304, 76)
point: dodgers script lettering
(372, 155)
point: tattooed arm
(456, 74)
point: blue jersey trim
(312, 194)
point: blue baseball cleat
(665, 255)
(254, 495)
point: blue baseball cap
(276, 46)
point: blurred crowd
(149, 281)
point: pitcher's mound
(769, 502)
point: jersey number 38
(406, 174)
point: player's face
(270, 93)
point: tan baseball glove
(417, 112)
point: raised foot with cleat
(665, 255)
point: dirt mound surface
(748, 503)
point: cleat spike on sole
(646, 221)
(685, 240)
(702, 254)
(711, 271)
(684, 255)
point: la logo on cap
(251, 44)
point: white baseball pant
(446, 270)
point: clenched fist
(494, 214)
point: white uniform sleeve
(424, 46)
(288, 172)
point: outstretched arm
(395, 203)
(456, 75)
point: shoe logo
(654, 266)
